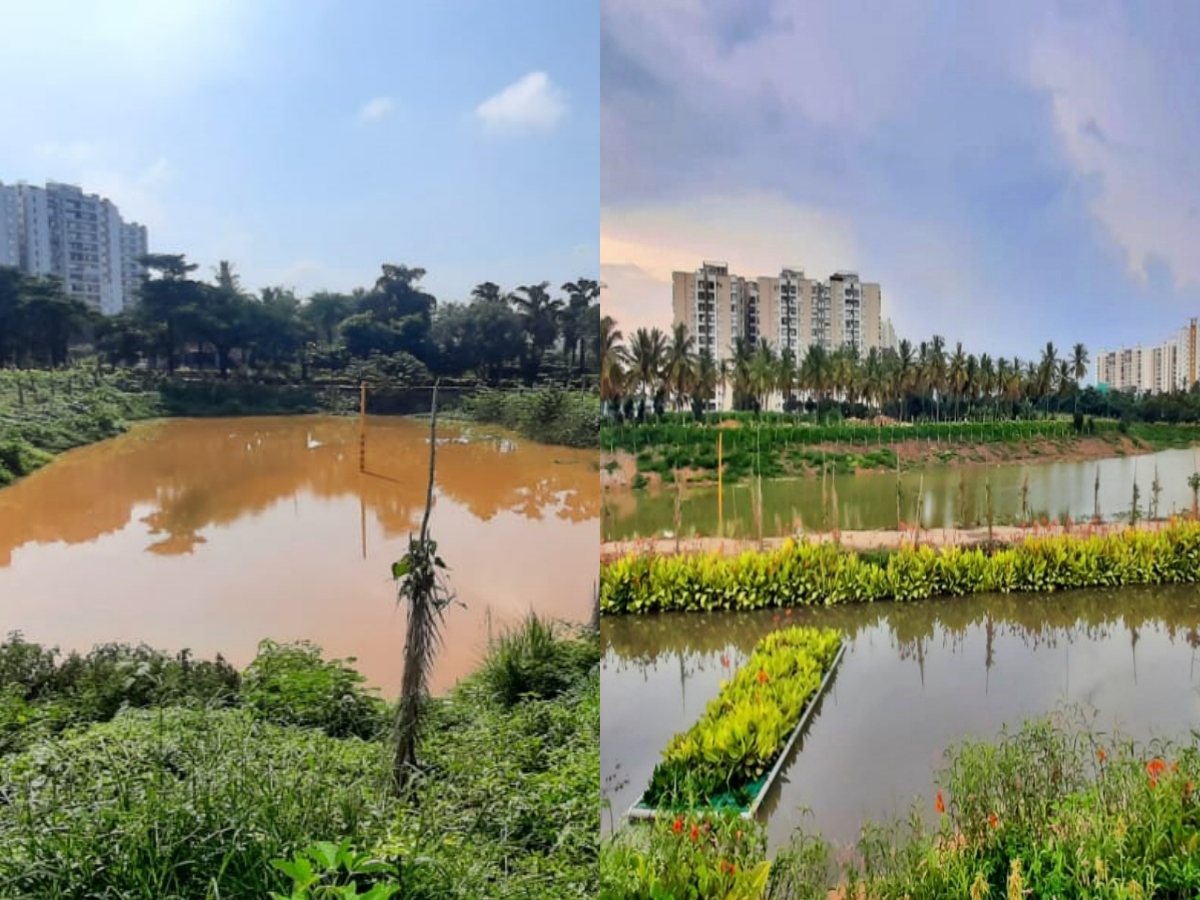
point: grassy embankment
(1057, 809)
(44, 413)
(775, 446)
(128, 773)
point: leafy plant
(327, 871)
(727, 753)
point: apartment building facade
(788, 311)
(78, 238)
(1169, 366)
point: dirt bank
(618, 470)
(882, 539)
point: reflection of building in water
(185, 476)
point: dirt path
(618, 470)
(882, 539)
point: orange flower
(738, 836)
(1101, 754)
(788, 611)
(1188, 788)
(940, 804)
(695, 833)
(1154, 768)
(762, 677)
(677, 826)
(993, 821)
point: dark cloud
(923, 123)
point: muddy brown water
(213, 534)
(947, 495)
(915, 679)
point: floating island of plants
(728, 759)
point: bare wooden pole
(362, 427)
(720, 486)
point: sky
(311, 141)
(1010, 173)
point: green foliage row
(236, 787)
(823, 574)
(746, 726)
(775, 433)
(549, 416)
(1055, 809)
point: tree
(679, 364)
(168, 301)
(539, 313)
(581, 294)
(1079, 366)
(613, 360)
(646, 357)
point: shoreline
(871, 540)
(619, 470)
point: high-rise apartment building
(10, 248)
(1169, 366)
(79, 238)
(786, 311)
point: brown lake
(214, 534)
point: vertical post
(720, 485)
(362, 427)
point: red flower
(940, 804)
(678, 825)
(1154, 768)
(695, 833)
(992, 820)
(1101, 754)
(788, 611)
(762, 677)
(725, 660)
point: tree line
(396, 326)
(656, 371)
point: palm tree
(956, 374)
(905, 372)
(580, 295)
(739, 373)
(646, 356)
(937, 370)
(763, 375)
(708, 375)
(679, 364)
(788, 374)
(540, 315)
(988, 377)
(613, 360)
(1047, 372)
(1079, 364)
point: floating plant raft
(730, 758)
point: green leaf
(401, 568)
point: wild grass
(203, 778)
(1057, 808)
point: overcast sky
(1011, 173)
(309, 141)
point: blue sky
(309, 141)
(1010, 173)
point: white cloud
(532, 103)
(376, 109)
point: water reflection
(214, 533)
(915, 679)
(948, 496)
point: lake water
(868, 500)
(213, 534)
(915, 678)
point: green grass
(129, 773)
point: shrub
(549, 415)
(804, 574)
(536, 662)
(290, 684)
(177, 803)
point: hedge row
(809, 574)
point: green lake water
(868, 500)
(915, 678)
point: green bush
(536, 661)
(177, 803)
(549, 415)
(806, 574)
(290, 684)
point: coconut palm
(708, 376)
(647, 353)
(956, 375)
(789, 374)
(613, 360)
(1079, 365)
(679, 364)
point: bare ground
(881, 539)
